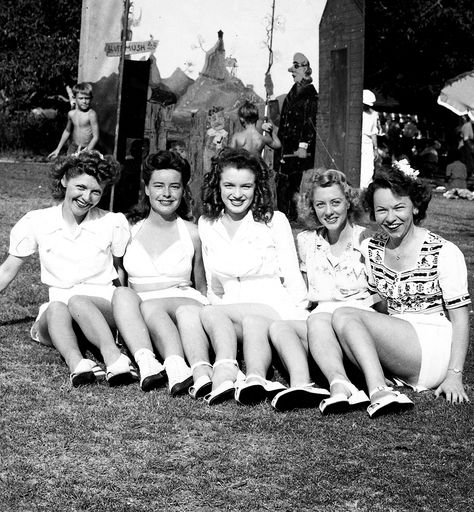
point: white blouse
(333, 278)
(68, 259)
(246, 267)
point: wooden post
(123, 49)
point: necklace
(396, 253)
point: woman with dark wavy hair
(422, 277)
(252, 275)
(164, 270)
(78, 245)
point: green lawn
(101, 449)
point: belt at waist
(151, 287)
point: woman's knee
(78, 303)
(57, 309)
(277, 331)
(152, 312)
(341, 318)
(313, 323)
(318, 325)
(254, 322)
(209, 315)
(123, 294)
(187, 312)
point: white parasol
(458, 95)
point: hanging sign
(131, 48)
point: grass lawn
(101, 449)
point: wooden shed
(341, 79)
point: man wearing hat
(369, 138)
(297, 133)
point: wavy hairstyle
(164, 159)
(212, 204)
(105, 169)
(402, 185)
(327, 178)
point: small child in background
(456, 171)
(79, 245)
(250, 138)
(81, 122)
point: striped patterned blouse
(438, 282)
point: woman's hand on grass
(453, 389)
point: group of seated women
(358, 310)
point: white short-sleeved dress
(334, 281)
(166, 276)
(258, 264)
(72, 263)
(423, 296)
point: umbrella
(458, 95)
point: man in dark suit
(296, 131)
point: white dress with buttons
(258, 264)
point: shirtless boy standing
(250, 138)
(81, 121)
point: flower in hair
(404, 166)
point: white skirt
(263, 290)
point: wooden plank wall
(341, 79)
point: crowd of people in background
(401, 136)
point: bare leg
(257, 349)
(218, 322)
(129, 319)
(160, 317)
(375, 341)
(326, 350)
(287, 339)
(224, 325)
(194, 340)
(132, 327)
(56, 324)
(94, 316)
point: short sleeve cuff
(453, 276)
(457, 302)
(121, 235)
(22, 238)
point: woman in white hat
(369, 138)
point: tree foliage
(414, 46)
(39, 48)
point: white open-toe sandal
(203, 384)
(226, 389)
(340, 402)
(393, 401)
(251, 393)
(298, 397)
